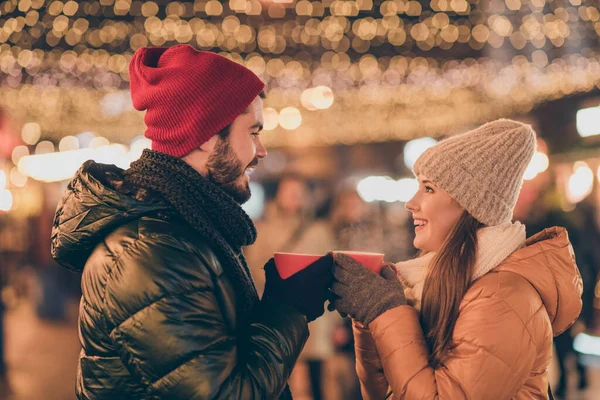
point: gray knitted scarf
(206, 208)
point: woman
(474, 317)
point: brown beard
(225, 168)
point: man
(169, 309)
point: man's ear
(209, 145)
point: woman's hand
(361, 293)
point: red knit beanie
(189, 95)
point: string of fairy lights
(104, 34)
(409, 65)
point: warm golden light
(6, 200)
(31, 133)
(290, 118)
(295, 45)
(580, 183)
(271, 117)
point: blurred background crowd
(356, 91)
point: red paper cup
(373, 261)
(288, 264)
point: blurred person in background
(288, 227)
(342, 371)
(282, 226)
(169, 309)
(474, 317)
(584, 236)
(58, 288)
(350, 224)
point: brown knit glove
(361, 293)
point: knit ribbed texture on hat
(482, 169)
(189, 95)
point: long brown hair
(447, 281)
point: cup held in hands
(288, 264)
(373, 261)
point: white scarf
(494, 244)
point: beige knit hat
(482, 169)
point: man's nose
(261, 151)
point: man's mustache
(254, 163)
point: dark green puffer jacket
(157, 317)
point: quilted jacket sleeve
(373, 383)
(171, 333)
(491, 361)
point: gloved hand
(306, 290)
(361, 293)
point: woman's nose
(411, 205)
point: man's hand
(306, 290)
